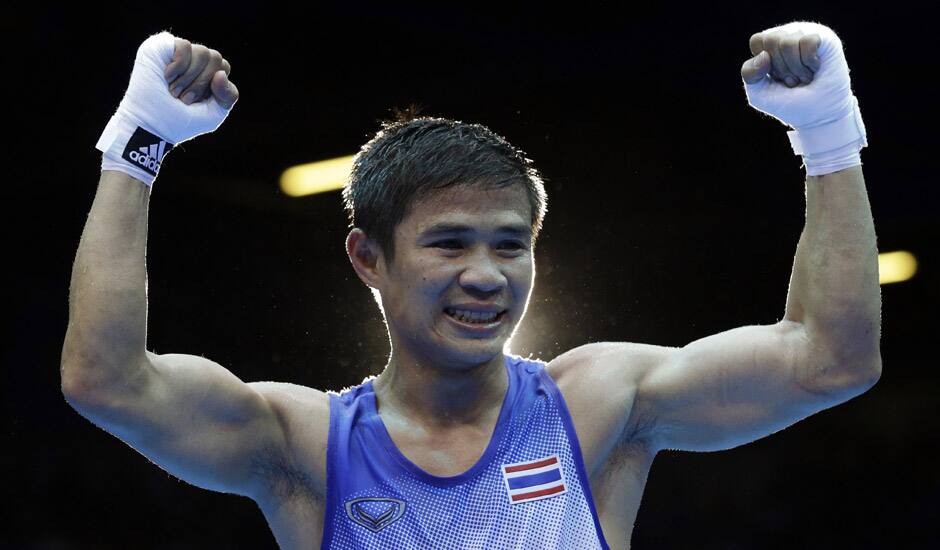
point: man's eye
(444, 244)
(514, 244)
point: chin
(479, 352)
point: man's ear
(365, 256)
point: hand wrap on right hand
(150, 121)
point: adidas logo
(146, 150)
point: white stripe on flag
(536, 487)
(533, 471)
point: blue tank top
(529, 489)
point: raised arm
(745, 383)
(186, 413)
(737, 386)
(731, 388)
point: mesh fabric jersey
(529, 489)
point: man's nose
(482, 273)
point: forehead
(475, 206)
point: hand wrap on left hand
(828, 128)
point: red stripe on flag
(539, 464)
(549, 491)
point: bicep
(731, 388)
(198, 421)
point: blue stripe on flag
(521, 482)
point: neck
(436, 395)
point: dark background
(674, 213)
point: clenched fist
(790, 57)
(197, 71)
(177, 91)
(799, 76)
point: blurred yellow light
(316, 177)
(896, 267)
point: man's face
(482, 263)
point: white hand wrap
(828, 128)
(150, 121)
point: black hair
(411, 156)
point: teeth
(472, 316)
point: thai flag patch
(534, 479)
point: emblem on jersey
(534, 479)
(375, 514)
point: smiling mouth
(484, 321)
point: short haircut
(410, 157)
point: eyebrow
(446, 227)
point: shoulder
(289, 399)
(614, 362)
(608, 375)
